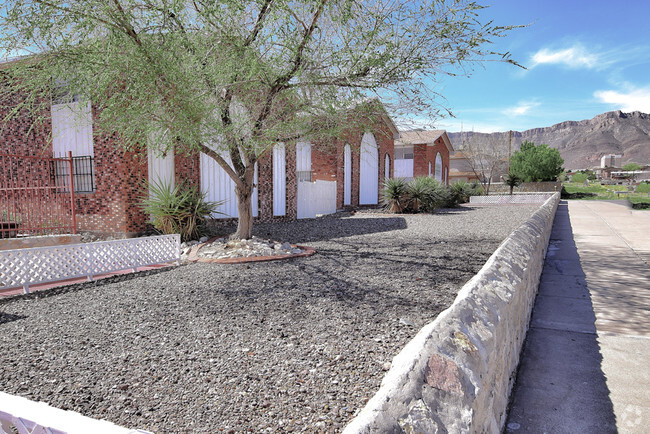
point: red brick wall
(421, 158)
(119, 180)
(385, 144)
(423, 155)
(21, 136)
(432, 151)
(118, 175)
(324, 161)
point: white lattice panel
(24, 267)
(510, 199)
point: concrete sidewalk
(585, 367)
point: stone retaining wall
(456, 374)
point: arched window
(429, 168)
(438, 174)
(387, 166)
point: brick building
(423, 153)
(295, 180)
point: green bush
(579, 177)
(461, 191)
(181, 209)
(422, 194)
(644, 187)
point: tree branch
(282, 81)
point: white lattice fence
(18, 414)
(510, 199)
(25, 267)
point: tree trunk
(245, 206)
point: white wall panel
(72, 129)
(161, 168)
(218, 186)
(279, 180)
(347, 175)
(369, 171)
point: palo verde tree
(231, 78)
(536, 163)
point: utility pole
(509, 148)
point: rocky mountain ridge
(581, 143)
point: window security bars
(83, 171)
(303, 175)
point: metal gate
(37, 196)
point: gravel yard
(282, 346)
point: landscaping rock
(297, 345)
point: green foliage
(591, 175)
(512, 181)
(234, 77)
(644, 187)
(631, 167)
(460, 192)
(639, 196)
(394, 194)
(425, 194)
(579, 177)
(181, 209)
(536, 163)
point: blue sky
(583, 57)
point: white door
(218, 186)
(347, 175)
(368, 171)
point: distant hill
(582, 143)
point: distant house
(610, 160)
(295, 180)
(423, 153)
(460, 168)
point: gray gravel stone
(282, 346)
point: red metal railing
(36, 196)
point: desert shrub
(425, 194)
(461, 191)
(644, 187)
(394, 194)
(579, 177)
(418, 192)
(179, 209)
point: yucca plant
(462, 190)
(512, 181)
(418, 192)
(395, 195)
(179, 209)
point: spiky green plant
(179, 209)
(512, 181)
(395, 194)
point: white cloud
(576, 56)
(520, 109)
(632, 100)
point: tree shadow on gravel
(9, 317)
(321, 228)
